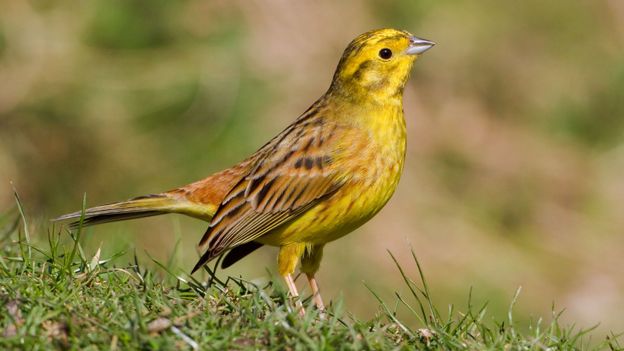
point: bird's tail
(142, 206)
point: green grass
(62, 296)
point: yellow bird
(326, 174)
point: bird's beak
(417, 46)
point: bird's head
(378, 63)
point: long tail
(142, 206)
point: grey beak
(418, 46)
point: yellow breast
(374, 172)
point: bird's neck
(367, 110)
(385, 92)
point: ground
(57, 294)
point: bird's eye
(385, 53)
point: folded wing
(293, 173)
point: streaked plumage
(326, 174)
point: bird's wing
(294, 174)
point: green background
(514, 173)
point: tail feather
(238, 252)
(143, 206)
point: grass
(61, 296)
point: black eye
(385, 53)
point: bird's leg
(316, 294)
(292, 288)
(310, 262)
(287, 262)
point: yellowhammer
(326, 174)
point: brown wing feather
(292, 175)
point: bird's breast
(373, 169)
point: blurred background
(514, 172)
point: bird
(323, 176)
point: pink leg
(316, 294)
(292, 288)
